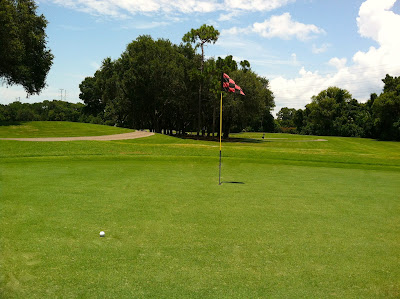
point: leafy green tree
(25, 58)
(3, 110)
(324, 109)
(349, 122)
(147, 87)
(386, 109)
(391, 84)
(241, 111)
(334, 112)
(44, 111)
(90, 94)
(18, 111)
(158, 84)
(251, 111)
(262, 123)
(245, 65)
(201, 36)
(107, 82)
(152, 85)
(212, 72)
(285, 117)
(226, 65)
(298, 120)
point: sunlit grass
(292, 218)
(55, 129)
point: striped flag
(229, 85)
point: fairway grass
(294, 218)
(34, 129)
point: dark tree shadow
(11, 123)
(216, 139)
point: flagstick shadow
(233, 182)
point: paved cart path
(132, 135)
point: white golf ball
(102, 234)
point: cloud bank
(283, 27)
(126, 8)
(363, 77)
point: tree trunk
(199, 116)
(213, 121)
(199, 127)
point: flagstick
(220, 140)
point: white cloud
(292, 92)
(278, 26)
(144, 25)
(229, 16)
(228, 44)
(294, 59)
(284, 27)
(376, 21)
(124, 8)
(364, 76)
(318, 50)
(225, 33)
(256, 5)
(338, 63)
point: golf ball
(102, 234)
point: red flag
(229, 85)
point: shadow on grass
(11, 123)
(233, 182)
(216, 139)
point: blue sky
(301, 46)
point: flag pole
(220, 140)
(228, 85)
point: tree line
(44, 111)
(164, 87)
(334, 112)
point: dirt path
(133, 135)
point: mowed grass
(294, 218)
(34, 129)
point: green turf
(294, 218)
(55, 129)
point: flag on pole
(229, 85)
